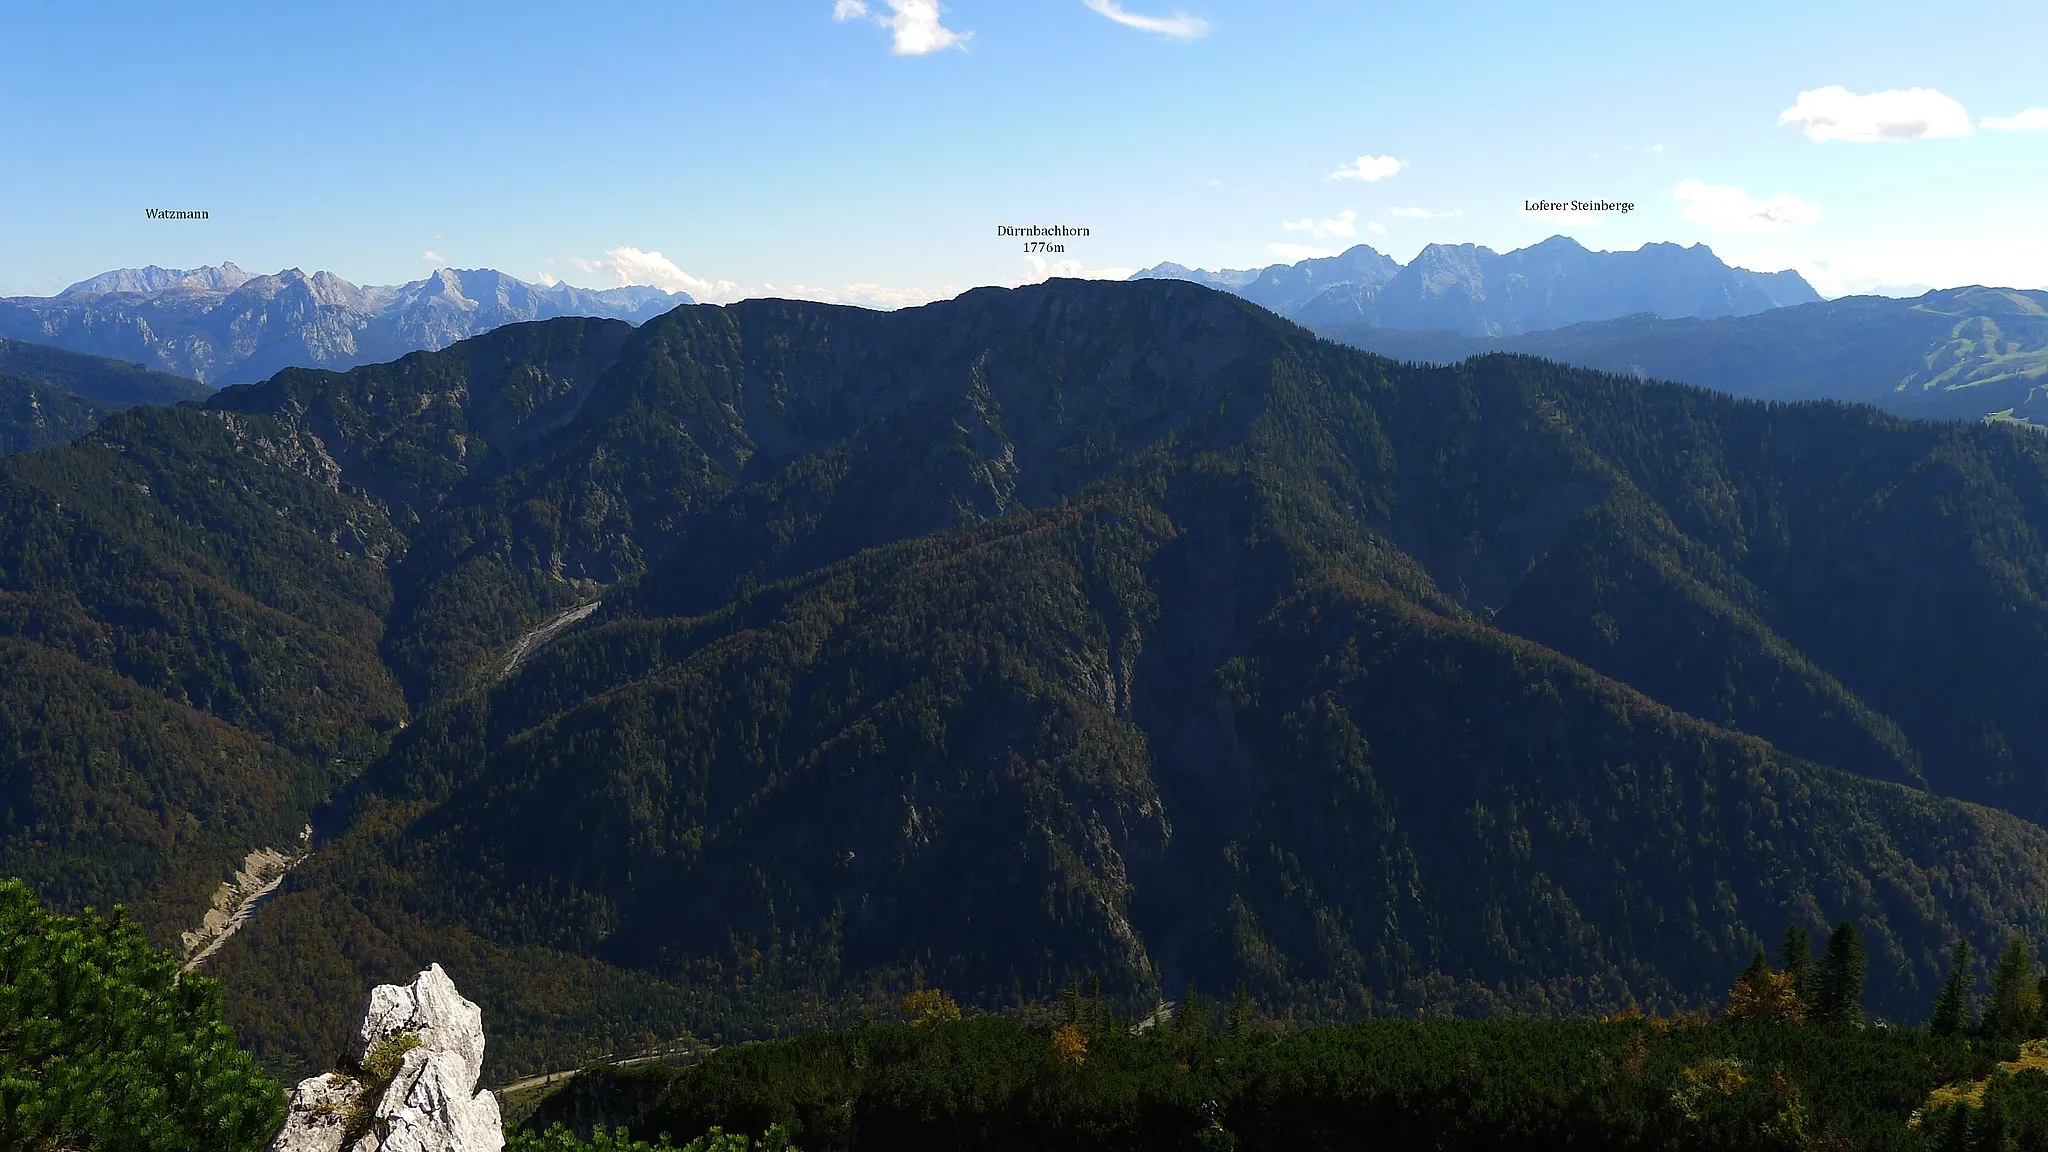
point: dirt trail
(541, 635)
(652, 1056)
(235, 901)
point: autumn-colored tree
(929, 1006)
(1761, 994)
(1069, 1044)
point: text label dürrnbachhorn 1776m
(1057, 230)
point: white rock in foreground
(431, 1103)
(319, 1114)
(432, 1106)
(429, 1008)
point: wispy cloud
(1726, 208)
(1345, 223)
(1376, 228)
(1179, 26)
(916, 25)
(1835, 113)
(433, 257)
(1425, 213)
(1371, 169)
(626, 265)
(2032, 120)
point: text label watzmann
(172, 214)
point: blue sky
(867, 151)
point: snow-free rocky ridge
(419, 1052)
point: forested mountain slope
(1110, 628)
(50, 396)
(1962, 354)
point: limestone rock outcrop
(419, 1052)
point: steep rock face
(320, 1110)
(431, 1009)
(429, 1104)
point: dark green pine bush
(103, 1047)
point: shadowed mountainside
(1110, 628)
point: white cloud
(1370, 169)
(1425, 214)
(1179, 26)
(632, 266)
(1835, 113)
(1345, 223)
(1377, 228)
(1043, 269)
(1296, 253)
(1726, 208)
(2032, 120)
(1656, 147)
(548, 279)
(627, 265)
(863, 295)
(433, 257)
(916, 25)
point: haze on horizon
(866, 151)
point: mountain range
(221, 325)
(1475, 291)
(729, 673)
(1961, 354)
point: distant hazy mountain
(1293, 289)
(225, 278)
(1476, 291)
(1966, 353)
(222, 325)
(1227, 279)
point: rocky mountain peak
(419, 1053)
(224, 277)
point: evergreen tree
(1795, 959)
(1952, 1005)
(103, 1048)
(1838, 979)
(1241, 1014)
(2015, 1004)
